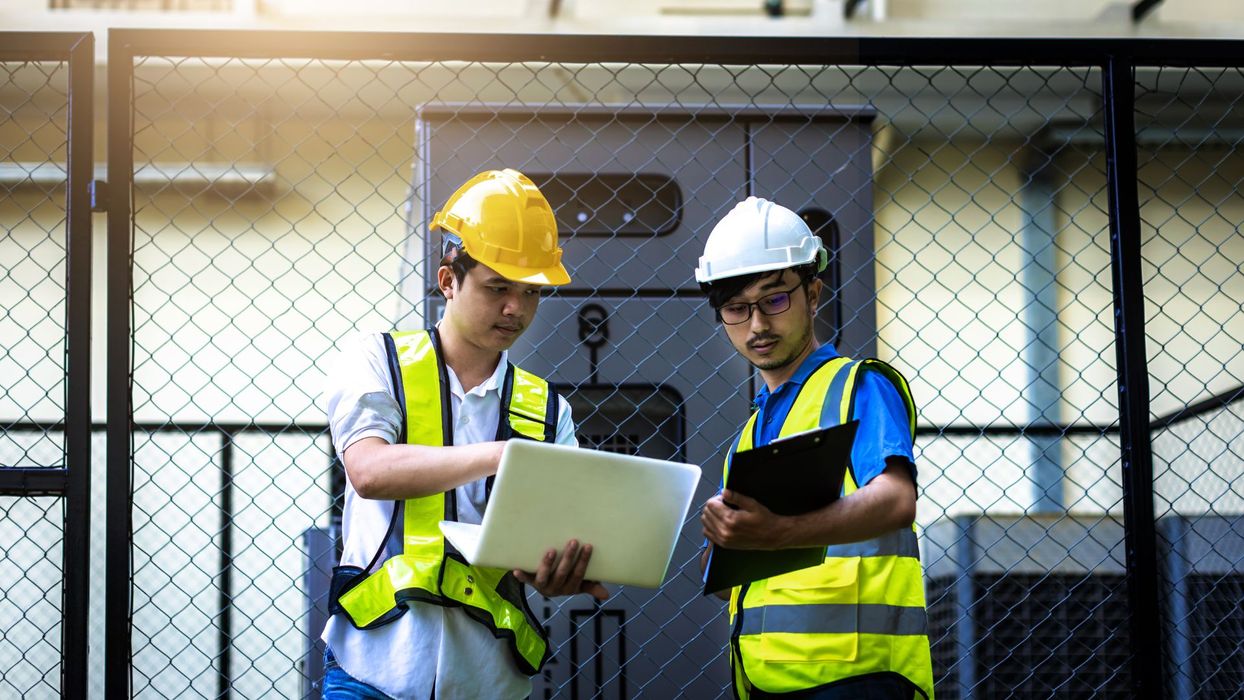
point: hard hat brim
(821, 261)
(548, 277)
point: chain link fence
(34, 133)
(969, 249)
(1188, 124)
(44, 367)
(280, 205)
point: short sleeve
(358, 399)
(565, 424)
(884, 429)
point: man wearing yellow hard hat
(420, 418)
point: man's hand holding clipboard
(791, 476)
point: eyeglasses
(770, 305)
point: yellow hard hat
(504, 222)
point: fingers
(595, 589)
(545, 571)
(714, 519)
(562, 574)
(580, 569)
(740, 501)
(566, 565)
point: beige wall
(949, 309)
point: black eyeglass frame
(756, 305)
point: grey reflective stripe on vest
(899, 543)
(831, 410)
(865, 618)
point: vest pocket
(809, 616)
(785, 648)
(834, 581)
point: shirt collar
(814, 359)
(492, 383)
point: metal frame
(72, 481)
(1139, 525)
(1116, 58)
(609, 48)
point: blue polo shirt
(883, 431)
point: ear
(814, 294)
(445, 281)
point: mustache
(764, 338)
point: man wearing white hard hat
(854, 626)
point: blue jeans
(339, 685)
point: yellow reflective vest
(860, 612)
(429, 570)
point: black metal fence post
(224, 579)
(1140, 533)
(118, 657)
(77, 549)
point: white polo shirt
(428, 643)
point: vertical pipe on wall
(1038, 281)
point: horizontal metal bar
(1088, 134)
(576, 48)
(38, 46)
(180, 427)
(826, 111)
(33, 481)
(1216, 402)
(1015, 430)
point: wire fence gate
(47, 129)
(1043, 235)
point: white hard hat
(758, 236)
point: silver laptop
(630, 509)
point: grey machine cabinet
(631, 342)
(1027, 606)
(1202, 559)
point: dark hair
(724, 290)
(459, 262)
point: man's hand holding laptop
(562, 574)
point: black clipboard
(791, 476)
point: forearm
(886, 504)
(381, 471)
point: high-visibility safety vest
(429, 569)
(860, 612)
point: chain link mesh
(971, 232)
(1190, 131)
(33, 144)
(280, 206)
(30, 608)
(33, 138)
